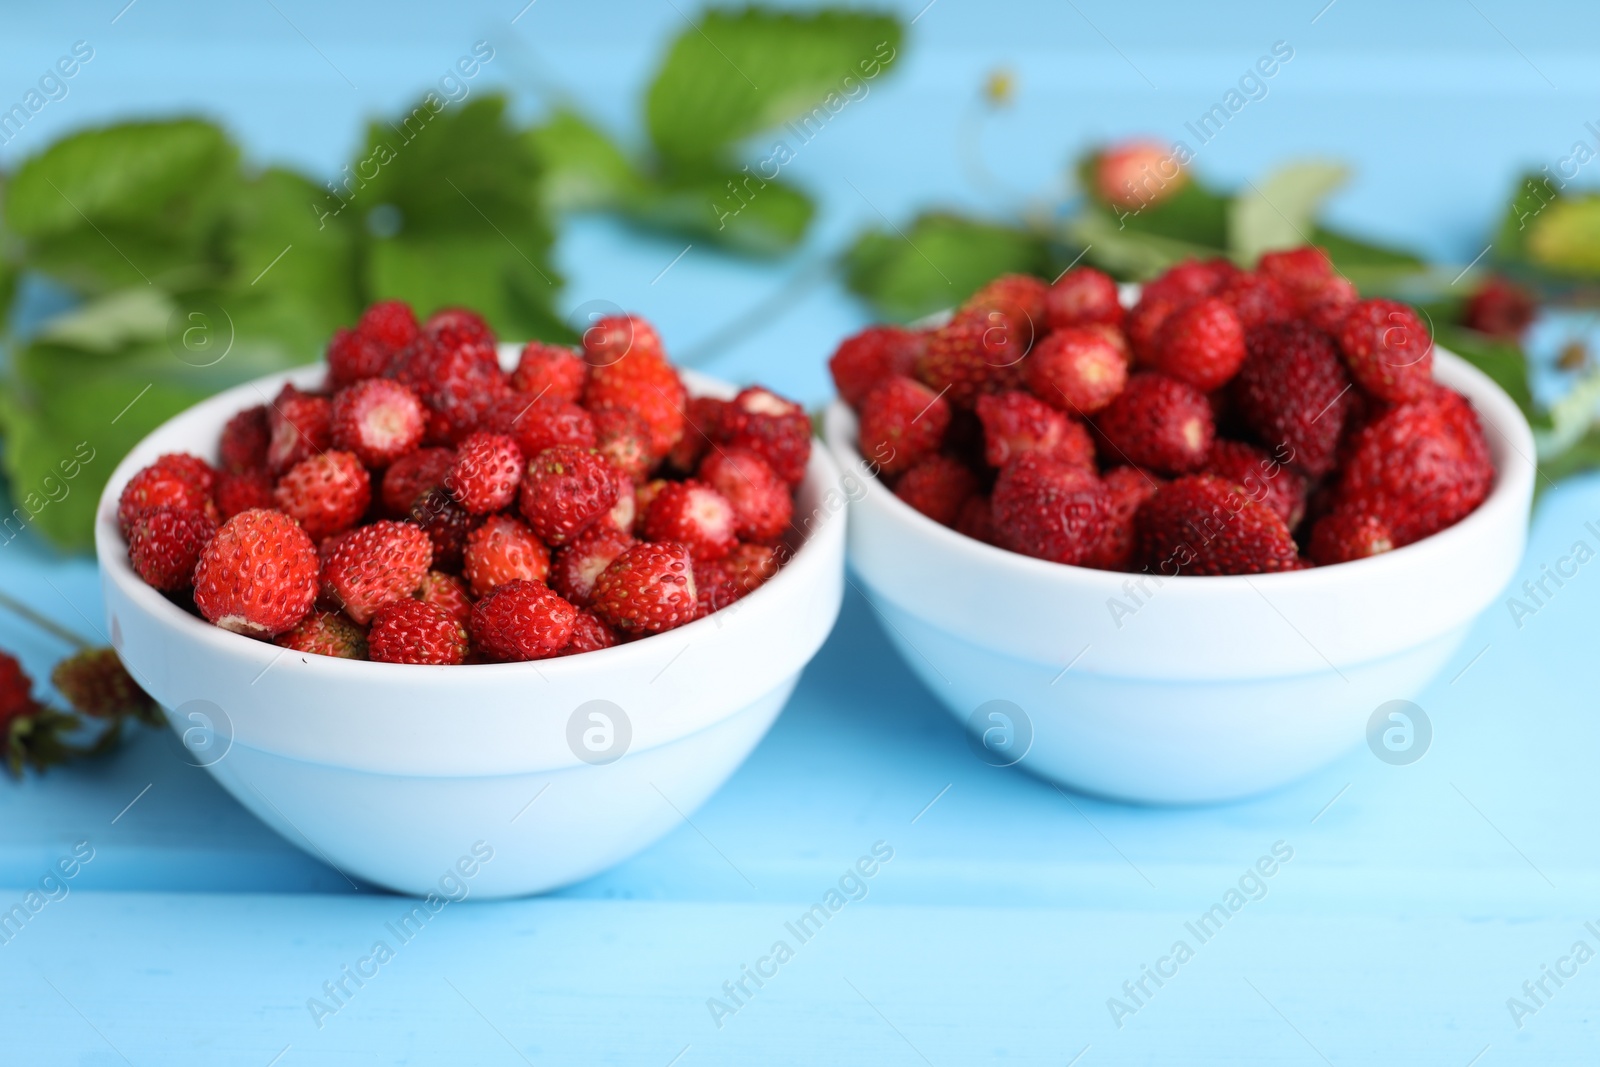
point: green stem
(71, 638)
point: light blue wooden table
(1418, 898)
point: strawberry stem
(18, 608)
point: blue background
(1419, 898)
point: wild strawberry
(487, 472)
(642, 496)
(901, 421)
(969, 356)
(1293, 394)
(1082, 296)
(447, 593)
(1159, 423)
(165, 544)
(1077, 369)
(1348, 533)
(540, 423)
(378, 420)
(503, 550)
(241, 492)
(391, 323)
(1263, 478)
(865, 359)
(695, 515)
(244, 441)
(589, 634)
(450, 327)
(326, 493)
(156, 486)
(1190, 280)
(376, 564)
(1137, 174)
(16, 691)
(976, 519)
(1328, 315)
(1201, 345)
(258, 575)
(1306, 274)
(762, 506)
(1016, 300)
(521, 620)
(622, 437)
(1014, 423)
(714, 587)
(326, 633)
(549, 370)
(1421, 466)
(1388, 350)
(1126, 489)
(1203, 525)
(192, 469)
(409, 631)
(447, 524)
(613, 338)
(623, 515)
(461, 383)
(96, 683)
(1049, 509)
(575, 566)
(645, 384)
(647, 589)
(938, 486)
(354, 356)
(1256, 299)
(702, 427)
(564, 490)
(1144, 321)
(775, 429)
(751, 566)
(301, 427)
(1501, 308)
(412, 475)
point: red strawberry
(1082, 296)
(642, 496)
(613, 338)
(1201, 344)
(1144, 322)
(1257, 299)
(377, 419)
(300, 425)
(623, 515)
(1047, 508)
(1307, 275)
(521, 620)
(564, 490)
(258, 575)
(16, 691)
(354, 356)
(938, 486)
(1190, 280)
(409, 631)
(1127, 488)
(412, 475)
(241, 492)
(1137, 174)
(450, 327)
(645, 384)
(95, 682)
(1263, 478)
(391, 323)
(1203, 525)
(762, 506)
(326, 633)
(1388, 350)
(244, 441)
(376, 564)
(902, 421)
(1421, 466)
(487, 472)
(576, 566)
(750, 566)
(165, 544)
(871, 356)
(969, 356)
(1293, 394)
(976, 519)
(503, 550)
(703, 419)
(538, 424)
(549, 370)
(1020, 297)
(622, 437)
(695, 515)
(714, 587)
(775, 429)
(1077, 369)
(647, 589)
(325, 494)
(1501, 308)
(447, 593)
(1159, 423)
(447, 524)
(589, 634)
(156, 486)
(1348, 533)
(1014, 423)
(460, 383)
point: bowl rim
(822, 477)
(1513, 486)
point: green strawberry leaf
(581, 168)
(1280, 211)
(734, 210)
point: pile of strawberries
(427, 507)
(1231, 422)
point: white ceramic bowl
(405, 775)
(1201, 689)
